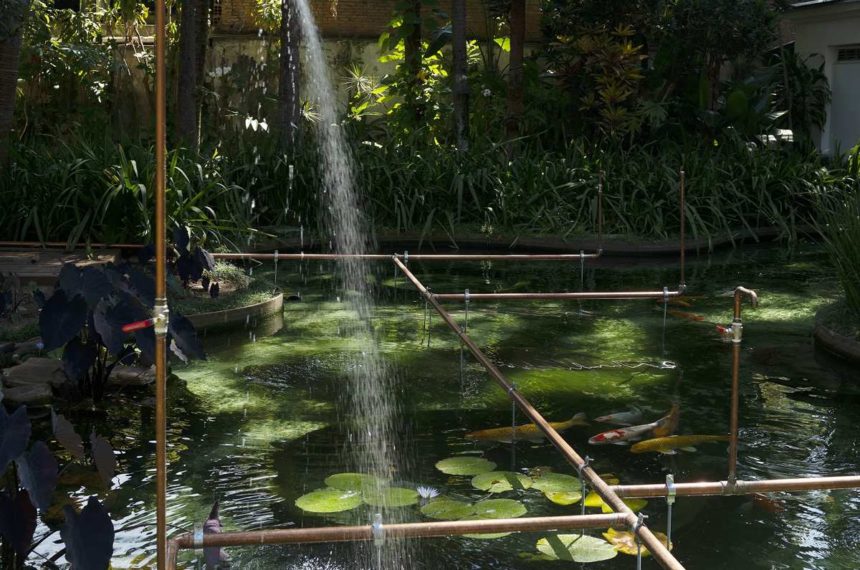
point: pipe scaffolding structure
(379, 531)
(649, 540)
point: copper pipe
(710, 488)
(657, 549)
(594, 295)
(402, 530)
(734, 414)
(683, 192)
(160, 309)
(65, 245)
(417, 257)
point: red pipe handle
(138, 325)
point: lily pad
(500, 509)
(624, 541)
(576, 548)
(447, 509)
(353, 481)
(634, 505)
(391, 497)
(559, 488)
(501, 481)
(329, 501)
(484, 536)
(465, 465)
(593, 500)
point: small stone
(32, 395)
(132, 376)
(29, 347)
(7, 347)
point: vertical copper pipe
(737, 336)
(160, 283)
(683, 192)
(657, 549)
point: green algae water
(267, 419)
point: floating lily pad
(576, 548)
(501, 481)
(563, 498)
(499, 509)
(329, 500)
(635, 505)
(465, 465)
(447, 509)
(391, 497)
(353, 481)
(484, 536)
(593, 500)
(624, 541)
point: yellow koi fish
(670, 445)
(528, 432)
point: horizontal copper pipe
(708, 488)
(401, 530)
(594, 295)
(416, 257)
(65, 245)
(657, 549)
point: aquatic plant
(31, 478)
(86, 314)
(580, 548)
(841, 231)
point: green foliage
(840, 227)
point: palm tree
(13, 14)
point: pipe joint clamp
(737, 331)
(671, 490)
(197, 536)
(467, 296)
(406, 256)
(161, 316)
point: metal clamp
(640, 522)
(160, 317)
(737, 330)
(276, 256)
(586, 462)
(197, 536)
(406, 257)
(377, 530)
(467, 296)
(512, 388)
(671, 491)
(665, 294)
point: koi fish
(667, 425)
(628, 418)
(528, 432)
(622, 436)
(683, 315)
(669, 445)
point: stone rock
(31, 395)
(36, 371)
(7, 347)
(33, 346)
(132, 376)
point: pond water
(264, 420)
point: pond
(263, 421)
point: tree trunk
(193, 28)
(461, 79)
(10, 52)
(289, 112)
(412, 54)
(516, 103)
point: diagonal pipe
(657, 549)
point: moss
(839, 318)
(19, 332)
(259, 291)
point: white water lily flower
(427, 493)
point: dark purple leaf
(110, 316)
(61, 319)
(142, 286)
(39, 473)
(204, 259)
(39, 298)
(185, 267)
(145, 339)
(204, 282)
(17, 521)
(103, 457)
(213, 555)
(66, 435)
(14, 435)
(96, 285)
(88, 536)
(181, 238)
(71, 280)
(78, 358)
(215, 291)
(185, 337)
(146, 253)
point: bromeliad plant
(85, 316)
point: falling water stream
(373, 408)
